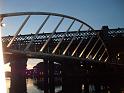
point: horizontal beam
(43, 13)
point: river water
(31, 88)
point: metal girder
(72, 40)
(63, 37)
(97, 51)
(92, 48)
(19, 30)
(43, 13)
(102, 55)
(48, 40)
(27, 47)
(58, 34)
(86, 46)
(45, 40)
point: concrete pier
(71, 83)
(46, 88)
(18, 75)
(49, 85)
(51, 77)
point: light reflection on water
(7, 84)
(30, 87)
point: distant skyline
(96, 13)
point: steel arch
(48, 14)
(43, 13)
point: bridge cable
(106, 59)
(77, 47)
(102, 55)
(63, 37)
(86, 46)
(39, 29)
(72, 40)
(103, 44)
(92, 48)
(97, 51)
(45, 44)
(19, 30)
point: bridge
(73, 43)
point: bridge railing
(116, 32)
(44, 36)
(21, 42)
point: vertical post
(97, 88)
(71, 81)
(46, 88)
(51, 76)
(18, 74)
(86, 87)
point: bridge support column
(18, 74)
(97, 88)
(51, 77)
(49, 85)
(46, 88)
(86, 87)
(71, 82)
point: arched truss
(81, 43)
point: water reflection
(7, 84)
(31, 88)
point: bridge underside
(113, 44)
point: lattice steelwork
(69, 37)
